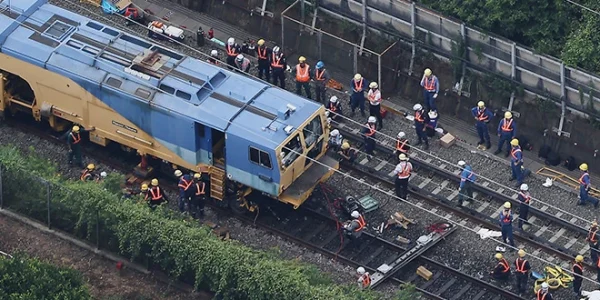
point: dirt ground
(100, 274)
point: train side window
(291, 151)
(167, 89)
(116, 83)
(183, 95)
(260, 158)
(142, 93)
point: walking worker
(263, 53)
(420, 125)
(402, 144)
(516, 162)
(431, 88)
(242, 63)
(431, 123)
(321, 78)
(364, 278)
(467, 177)
(278, 67)
(74, 143)
(374, 96)
(348, 153)
(502, 269)
(368, 133)
(233, 50)
(353, 228)
(357, 98)
(482, 117)
(506, 219)
(525, 199)
(543, 293)
(88, 173)
(592, 239)
(584, 187)
(185, 182)
(334, 107)
(303, 74)
(198, 198)
(335, 140)
(506, 131)
(522, 268)
(402, 173)
(214, 57)
(156, 195)
(577, 275)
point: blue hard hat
(320, 65)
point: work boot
(507, 154)
(497, 152)
(426, 147)
(352, 113)
(511, 179)
(419, 143)
(362, 113)
(488, 145)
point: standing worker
(482, 117)
(88, 173)
(233, 50)
(364, 278)
(420, 125)
(302, 72)
(502, 269)
(431, 88)
(402, 173)
(278, 67)
(577, 275)
(522, 268)
(357, 98)
(525, 199)
(543, 293)
(353, 228)
(374, 96)
(506, 219)
(199, 197)
(467, 177)
(263, 53)
(74, 143)
(584, 187)
(185, 182)
(334, 107)
(506, 131)
(368, 133)
(592, 239)
(402, 144)
(156, 195)
(321, 78)
(516, 162)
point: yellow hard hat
(345, 146)
(302, 59)
(594, 223)
(480, 104)
(373, 85)
(402, 157)
(578, 258)
(521, 252)
(357, 76)
(75, 129)
(508, 115)
(507, 204)
(91, 167)
(514, 142)
(498, 256)
(583, 167)
(261, 42)
(197, 176)
(154, 182)
(144, 187)
(427, 72)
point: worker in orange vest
(233, 50)
(402, 173)
(374, 97)
(185, 182)
(321, 78)
(278, 67)
(592, 239)
(155, 196)
(347, 153)
(522, 268)
(334, 106)
(420, 121)
(74, 143)
(402, 144)
(263, 53)
(577, 275)
(502, 269)
(507, 130)
(543, 293)
(353, 228)
(303, 74)
(242, 63)
(585, 186)
(198, 196)
(368, 132)
(357, 98)
(364, 278)
(88, 173)
(431, 88)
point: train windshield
(312, 131)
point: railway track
(437, 183)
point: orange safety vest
(155, 193)
(581, 178)
(430, 84)
(598, 263)
(526, 197)
(302, 73)
(372, 130)
(184, 184)
(400, 145)
(232, 50)
(76, 138)
(319, 77)
(366, 280)
(481, 115)
(86, 174)
(579, 266)
(275, 62)
(358, 87)
(505, 264)
(361, 223)
(521, 266)
(406, 169)
(157, 24)
(332, 107)
(540, 296)
(592, 234)
(513, 152)
(263, 54)
(506, 217)
(507, 126)
(419, 116)
(198, 190)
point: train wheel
(238, 205)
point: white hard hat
(432, 114)
(524, 187)
(240, 57)
(372, 119)
(373, 85)
(334, 132)
(276, 49)
(178, 173)
(230, 41)
(461, 163)
(355, 214)
(544, 286)
(402, 157)
(360, 270)
(214, 53)
(333, 99)
(327, 113)
(417, 107)
(103, 174)
(401, 134)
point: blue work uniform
(584, 186)
(185, 182)
(467, 177)
(483, 117)
(507, 131)
(357, 98)
(431, 86)
(420, 127)
(516, 164)
(506, 218)
(369, 137)
(525, 199)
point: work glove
(435, 95)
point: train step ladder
(217, 183)
(565, 179)
(423, 244)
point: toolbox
(368, 204)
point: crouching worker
(347, 153)
(353, 228)
(502, 269)
(335, 140)
(155, 196)
(364, 278)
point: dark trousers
(196, 206)
(577, 285)
(401, 187)
(320, 90)
(357, 100)
(523, 212)
(429, 101)
(263, 69)
(75, 155)
(484, 134)
(421, 134)
(505, 137)
(593, 251)
(182, 200)
(277, 74)
(501, 276)
(584, 197)
(155, 203)
(375, 111)
(517, 172)
(306, 86)
(369, 145)
(598, 274)
(231, 62)
(507, 235)
(521, 282)
(466, 193)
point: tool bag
(571, 163)
(553, 159)
(544, 151)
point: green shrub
(162, 238)
(28, 278)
